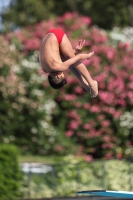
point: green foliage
(105, 14)
(110, 13)
(71, 175)
(26, 108)
(23, 13)
(44, 121)
(10, 174)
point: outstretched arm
(74, 60)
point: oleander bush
(45, 121)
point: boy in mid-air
(57, 55)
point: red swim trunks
(59, 33)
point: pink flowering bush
(92, 124)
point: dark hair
(56, 82)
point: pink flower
(86, 126)
(111, 54)
(131, 77)
(117, 114)
(39, 32)
(88, 158)
(71, 80)
(69, 133)
(99, 133)
(74, 124)
(118, 155)
(100, 117)
(98, 36)
(68, 16)
(86, 20)
(69, 97)
(73, 114)
(86, 106)
(106, 138)
(111, 111)
(125, 46)
(95, 61)
(101, 77)
(130, 85)
(95, 109)
(109, 155)
(108, 146)
(106, 123)
(106, 97)
(79, 90)
(50, 24)
(87, 62)
(32, 44)
(92, 133)
(104, 38)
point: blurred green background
(105, 14)
(48, 126)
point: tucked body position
(57, 55)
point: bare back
(49, 54)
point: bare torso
(49, 54)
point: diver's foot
(94, 89)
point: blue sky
(3, 4)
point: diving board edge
(123, 194)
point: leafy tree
(105, 14)
(110, 13)
(23, 13)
